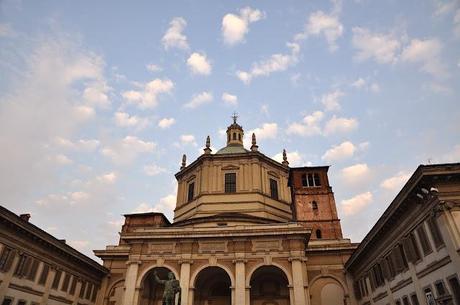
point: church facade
(246, 230)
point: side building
(38, 269)
(411, 255)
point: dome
(232, 149)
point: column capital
(297, 258)
(185, 261)
(133, 262)
(240, 260)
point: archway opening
(151, 292)
(269, 285)
(116, 293)
(212, 286)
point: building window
(311, 180)
(88, 291)
(22, 302)
(94, 294)
(414, 299)
(6, 259)
(426, 247)
(318, 234)
(239, 137)
(44, 274)
(57, 278)
(435, 233)
(65, 283)
(391, 267)
(7, 301)
(82, 289)
(230, 182)
(455, 287)
(73, 286)
(234, 136)
(429, 297)
(314, 205)
(440, 289)
(416, 251)
(191, 191)
(33, 270)
(274, 189)
(406, 300)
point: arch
(113, 297)
(234, 136)
(327, 289)
(195, 274)
(150, 291)
(269, 284)
(144, 273)
(318, 234)
(286, 273)
(239, 137)
(212, 285)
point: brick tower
(313, 202)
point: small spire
(184, 161)
(207, 149)
(254, 146)
(285, 161)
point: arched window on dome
(234, 136)
(239, 137)
(318, 234)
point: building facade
(411, 255)
(38, 269)
(242, 234)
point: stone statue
(172, 287)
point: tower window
(230, 182)
(314, 205)
(234, 136)
(239, 137)
(191, 191)
(318, 234)
(228, 137)
(311, 180)
(274, 189)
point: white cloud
(427, 53)
(309, 126)
(174, 38)
(395, 182)
(84, 113)
(382, 48)
(266, 131)
(357, 203)
(359, 83)
(328, 25)
(199, 99)
(148, 96)
(339, 152)
(80, 145)
(230, 99)
(443, 7)
(166, 122)
(126, 150)
(355, 174)
(166, 205)
(235, 27)
(331, 100)
(199, 64)
(340, 125)
(6, 30)
(153, 169)
(456, 22)
(108, 178)
(294, 158)
(452, 156)
(123, 119)
(80, 245)
(276, 62)
(63, 160)
(153, 68)
(143, 208)
(96, 94)
(188, 139)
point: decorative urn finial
(184, 161)
(254, 146)
(285, 161)
(207, 149)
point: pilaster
(130, 281)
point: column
(240, 282)
(297, 281)
(76, 295)
(7, 277)
(185, 281)
(130, 282)
(101, 296)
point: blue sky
(99, 100)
